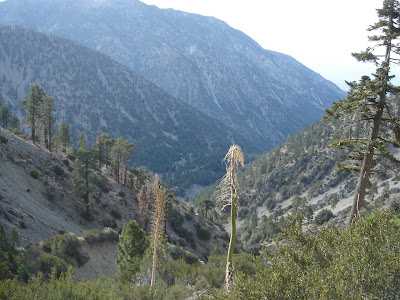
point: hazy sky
(320, 34)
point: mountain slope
(48, 204)
(201, 60)
(172, 138)
(300, 175)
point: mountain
(300, 175)
(262, 94)
(181, 143)
(39, 200)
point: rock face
(201, 60)
(172, 138)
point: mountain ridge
(179, 142)
(262, 94)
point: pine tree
(4, 246)
(82, 140)
(14, 239)
(121, 153)
(5, 116)
(15, 123)
(100, 145)
(368, 104)
(64, 135)
(131, 247)
(48, 120)
(32, 107)
(84, 173)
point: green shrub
(59, 170)
(3, 139)
(48, 262)
(323, 216)
(203, 232)
(66, 162)
(100, 236)
(116, 214)
(362, 262)
(180, 253)
(64, 245)
(121, 194)
(34, 174)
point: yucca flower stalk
(157, 229)
(233, 159)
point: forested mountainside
(39, 198)
(181, 143)
(301, 175)
(201, 60)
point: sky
(321, 34)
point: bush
(180, 253)
(34, 174)
(48, 262)
(116, 214)
(323, 216)
(109, 223)
(58, 170)
(202, 232)
(121, 194)
(362, 262)
(270, 204)
(64, 245)
(71, 157)
(100, 236)
(3, 139)
(66, 162)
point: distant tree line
(115, 154)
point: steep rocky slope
(182, 144)
(301, 175)
(41, 202)
(201, 60)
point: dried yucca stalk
(233, 159)
(158, 218)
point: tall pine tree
(63, 135)
(32, 106)
(48, 120)
(84, 173)
(368, 104)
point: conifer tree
(368, 103)
(5, 116)
(15, 123)
(4, 246)
(131, 247)
(101, 147)
(48, 120)
(32, 107)
(82, 140)
(84, 172)
(121, 153)
(64, 135)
